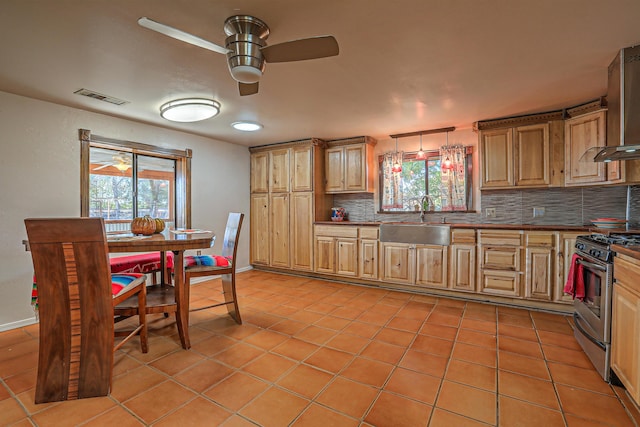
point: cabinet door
(302, 231)
(325, 252)
(625, 338)
(431, 265)
(279, 170)
(532, 155)
(496, 147)
(302, 168)
(355, 168)
(566, 247)
(581, 134)
(539, 273)
(347, 256)
(279, 227)
(398, 261)
(463, 268)
(260, 172)
(334, 168)
(259, 229)
(368, 259)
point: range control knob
(580, 246)
(595, 253)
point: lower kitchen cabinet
(279, 226)
(368, 259)
(410, 264)
(301, 236)
(325, 254)
(462, 260)
(336, 250)
(347, 256)
(398, 262)
(499, 269)
(462, 272)
(539, 265)
(625, 326)
(259, 229)
(431, 266)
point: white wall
(40, 176)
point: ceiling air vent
(100, 97)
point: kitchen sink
(419, 233)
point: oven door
(595, 308)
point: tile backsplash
(562, 206)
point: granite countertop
(632, 251)
(528, 227)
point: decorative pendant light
(421, 155)
(397, 165)
(446, 163)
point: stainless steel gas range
(593, 277)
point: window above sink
(446, 182)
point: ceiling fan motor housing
(246, 36)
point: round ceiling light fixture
(190, 109)
(246, 126)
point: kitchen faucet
(423, 210)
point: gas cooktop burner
(616, 239)
(598, 246)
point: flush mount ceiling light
(246, 126)
(190, 109)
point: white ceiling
(404, 65)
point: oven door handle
(576, 321)
(591, 265)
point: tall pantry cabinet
(286, 197)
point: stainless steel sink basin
(426, 234)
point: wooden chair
(224, 265)
(76, 298)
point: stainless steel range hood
(623, 116)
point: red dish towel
(575, 280)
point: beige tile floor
(320, 353)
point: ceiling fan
(121, 161)
(247, 50)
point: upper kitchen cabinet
(270, 171)
(349, 165)
(279, 170)
(521, 151)
(584, 132)
(260, 172)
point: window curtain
(392, 188)
(453, 173)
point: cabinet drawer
(505, 283)
(542, 238)
(500, 237)
(337, 231)
(369, 233)
(626, 271)
(463, 236)
(500, 258)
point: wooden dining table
(165, 242)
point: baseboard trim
(18, 324)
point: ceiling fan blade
(302, 49)
(248, 88)
(103, 166)
(181, 35)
